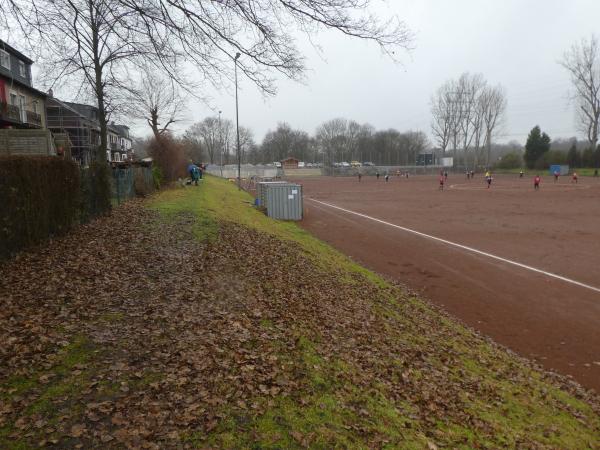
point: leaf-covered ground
(194, 321)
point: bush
(512, 160)
(168, 155)
(157, 176)
(39, 198)
(550, 158)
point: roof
(67, 106)
(14, 51)
(290, 158)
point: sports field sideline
(517, 264)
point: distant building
(290, 163)
(120, 148)
(21, 106)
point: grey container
(284, 201)
(261, 190)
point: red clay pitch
(556, 229)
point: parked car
(355, 163)
(368, 164)
(277, 164)
(301, 164)
(345, 164)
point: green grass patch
(325, 414)
(218, 200)
(60, 384)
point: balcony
(34, 119)
(10, 113)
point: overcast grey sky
(516, 43)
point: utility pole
(221, 143)
(237, 124)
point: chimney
(50, 93)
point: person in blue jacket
(194, 172)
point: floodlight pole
(237, 124)
(221, 143)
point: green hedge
(39, 198)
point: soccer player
(441, 182)
(359, 176)
(536, 182)
(377, 174)
(521, 174)
(574, 177)
(387, 177)
(488, 178)
(556, 174)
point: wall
(26, 142)
(248, 171)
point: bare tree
(285, 141)
(466, 114)
(332, 138)
(442, 111)
(582, 61)
(215, 136)
(156, 100)
(492, 104)
(95, 44)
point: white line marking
(464, 247)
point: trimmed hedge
(39, 198)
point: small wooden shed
(289, 163)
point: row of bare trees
(339, 140)
(346, 140)
(213, 140)
(467, 115)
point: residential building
(120, 148)
(21, 106)
(83, 130)
(81, 123)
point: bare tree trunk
(101, 152)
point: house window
(22, 69)
(35, 106)
(4, 59)
(13, 99)
(22, 108)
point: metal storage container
(284, 201)
(261, 190)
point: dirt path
(546, 319)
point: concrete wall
(247, 171)
(26, 142)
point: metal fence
(130, 181)
(382, 170)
